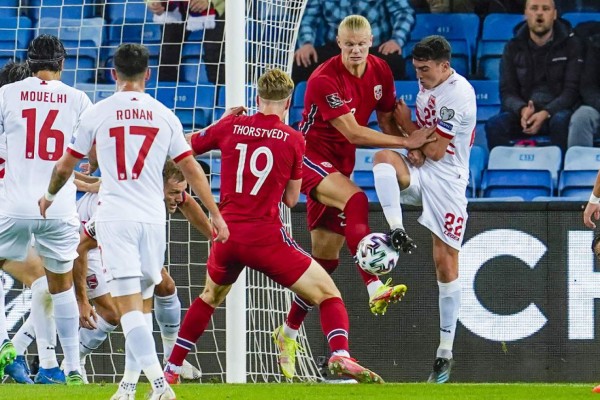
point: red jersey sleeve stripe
(74, 153)
(183, 155)
(443, 134)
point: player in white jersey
(37, 119)
(435, 176)
(134, 134)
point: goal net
(188, 76)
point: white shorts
(131, 250)
(55, 239)
(444, 203)
(96, 276)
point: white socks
(289, 332)
(24, 336)
(90, 340)
(449, 302)
(3, 327)
(66, 314)
(373, 286)
(44, 324)
(388, 192)
(167, 311)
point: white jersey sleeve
(37, 119)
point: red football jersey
(331, 91)
(259, 155)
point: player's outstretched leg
(442, 367)
(19, 371)
(287, 351)
(7, 355)
(401, 241)
(384, 295)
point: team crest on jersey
(378, 91)
(446, 113)
(431, 102)
(326, 164)
(334, 100)
(92, 281)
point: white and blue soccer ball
(376, 255)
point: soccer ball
(376, 255)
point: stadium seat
(460, 30)
(373, 122)
(497, 30)
(496, 199)
(119, 11)
(582, 158)
(96, 92)
(60, 9)
(295, 116)
(193, 70)
(363, 170)
(487, 94)
(407, 91)
(575, 18)
(15, 35)
(477, 162)
(10, 8)
(527, 158)
(298, 96)
(527, 184)
(577, 183)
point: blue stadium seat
(527, 184)
(496, 199)
(185, 95)
(407, 91)
(96, 92)
(577, 183)
(10, 8)
(193, 70)
(363, 169)
(487, 94)
(461, 30)
(497, 30)
(373, 123)
(60, 9)
(119, 11)
(295, 116)
(15, 35)
(526, 158)
(575, 18)
(582, 158)
(477, 163)
(298, 96)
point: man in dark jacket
(585, 122)
(539, 79)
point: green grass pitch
(390, 391)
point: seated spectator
(539, 80)
(391, 22)
(207, 15)
(454, 6)
(585, 122)
(480, 7)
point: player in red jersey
(261, 166)
(340, 96)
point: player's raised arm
(60, 174)
(192, 211)
(197, 180)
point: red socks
(194, 324)
(357, 227)
(334, 322)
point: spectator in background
(391, 22)
(455, 6)
(585, 122)
(539, 80)
(207, 15)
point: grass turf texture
(412, 391)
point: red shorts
(281, 260)
(317, 214)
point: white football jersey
(452, 108)
(37, 119)
(134, 134)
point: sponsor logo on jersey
(446, 113)
(378, 91)
(334, 100)
(92, 281)
(446, 125)
(326, 164)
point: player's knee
(165, 288)
(213, 298)
(112, 317)
(384, 156)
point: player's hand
(535, 122)
(238, 110)
(306, 55)
(220, 228)
(156, 7)
(416, 157)
(87, 315)
(402, 114)
(390, 47)
(526, 113)
(44, 205)
(420, 137)
(591, 213)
